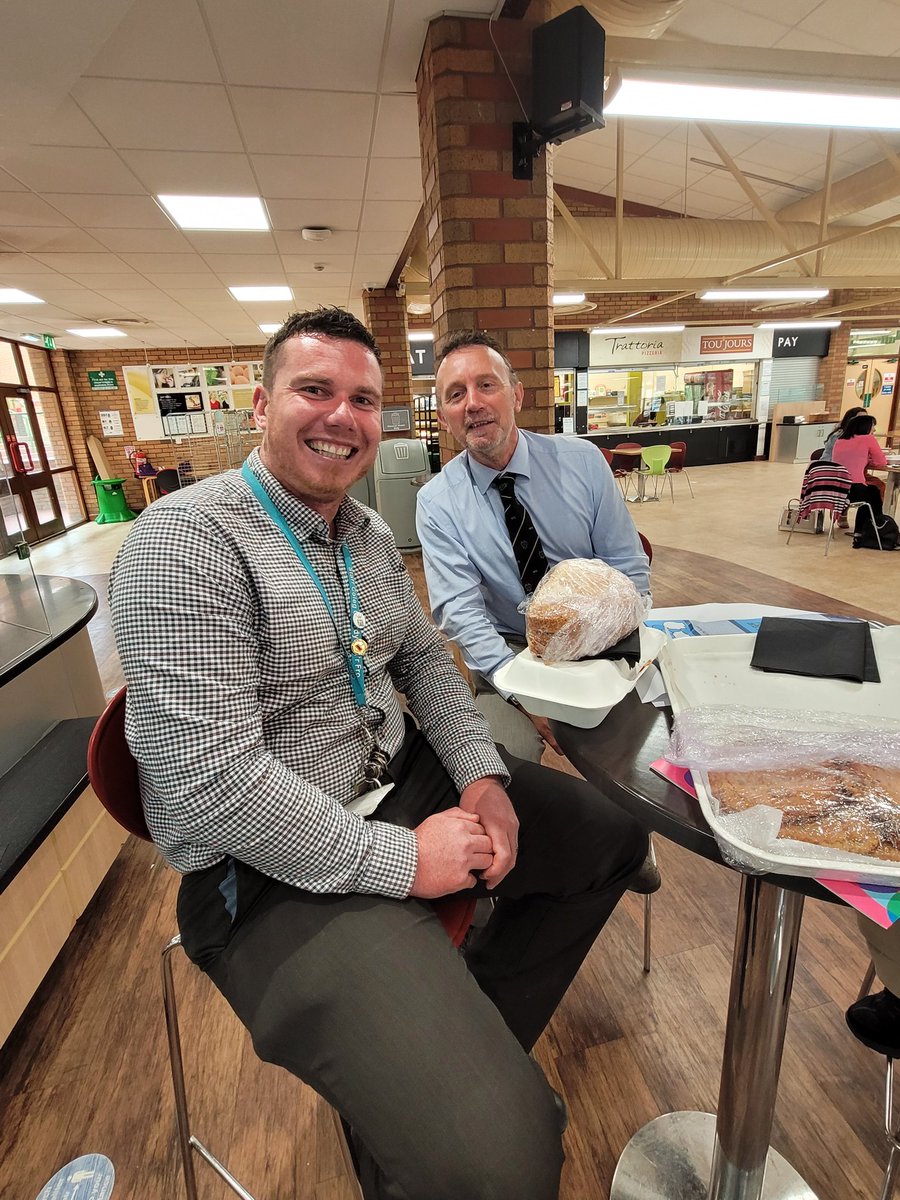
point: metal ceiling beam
(750, 192)
(826, 199)
(579, 234)
(620, 193)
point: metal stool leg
(186, 1141)
(867, 982)
(893, 1166)
(648, 913)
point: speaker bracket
(527, 143)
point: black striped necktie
(526, 544)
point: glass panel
(38, 370)
(23, 621)
(21, 424)
(53, 431)
(43, 504)
(9, 371)
(69, 498)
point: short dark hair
(850, 415)
(860, 425)
(329, 322)
(460, 338)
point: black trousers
(871, 494)
(365, 999)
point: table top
(616, 757)
(36, 615)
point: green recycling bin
(111, 501)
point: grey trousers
(365, 999)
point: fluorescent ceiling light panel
(858, 333)
(764, 294)
(97, 331)
(14, 296)
(421, 335)
(272, 328)
(253, 294)
(756, 105)
(615, 329)
(568, 297)
(798, 325)
(216, 212)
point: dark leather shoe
(647, 880)
(875, 1021)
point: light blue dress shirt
(473, 581)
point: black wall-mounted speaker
(567, 69)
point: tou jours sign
(103, 381)
(726, 343)
(800, 343)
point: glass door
(30, 453)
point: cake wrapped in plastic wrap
(580, 608)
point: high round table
(695, 1156)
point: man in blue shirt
(473, 578)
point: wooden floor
(86, 1068)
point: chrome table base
(670, 1159)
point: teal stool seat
(111, 501)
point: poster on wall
(174, 399)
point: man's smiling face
(321, 418)
(478, 402)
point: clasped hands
(481, 834)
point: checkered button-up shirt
(240, 710)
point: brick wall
(385, 313)
(489, 236)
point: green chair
(654, 459)
(111, 501)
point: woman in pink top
(856, 449)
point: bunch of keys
(373, 770)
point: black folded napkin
(628, 648)
(821, 649)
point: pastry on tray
(842, 804)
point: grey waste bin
(364, 489)
(400, 470)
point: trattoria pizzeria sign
(633, 349)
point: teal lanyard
(355, 657)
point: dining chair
(675, 465)
(113, 773)
(825, 488)
(891, 1131)
(654, 459)
(607, 454)
(625, 465)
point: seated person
(263, 619)
(563, 487)
(875, 1019)
(857, 450)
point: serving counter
(56, 841)
(707, 444)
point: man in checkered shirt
(304, 901)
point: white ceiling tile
(715, 21)
(108, 212)
(649, 167)
(878, 32)
(117, 280)
(304, 263)
(22, 264)
(175, 172)
(389, 216)
(310, 279)
(139, 115)
(248, 278)
(231, 242)
(291, 121)
(394, 179)
(71, 169)
(291, 242)
(180, 279)
(294, 177)
(340, 51)
(800, 40)
(374, 263)
(381, 243)
(136, 241)
(97, 263)
(779, 160)
(159, 39)
(777, 10)
(310, 296)
(294, 214)
(68, 126)
(648, 191)
(253, 264)
(397, 128)
(166, 263)
(35, 238)
(8, 184)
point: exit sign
(48, 340)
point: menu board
(174, 399)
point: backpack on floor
(888, 532)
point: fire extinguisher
(138, 460)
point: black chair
(167, 481)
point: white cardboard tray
(581, 693)
(716, 671)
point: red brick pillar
(385, 313)
(489, 236)
(833, 370)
